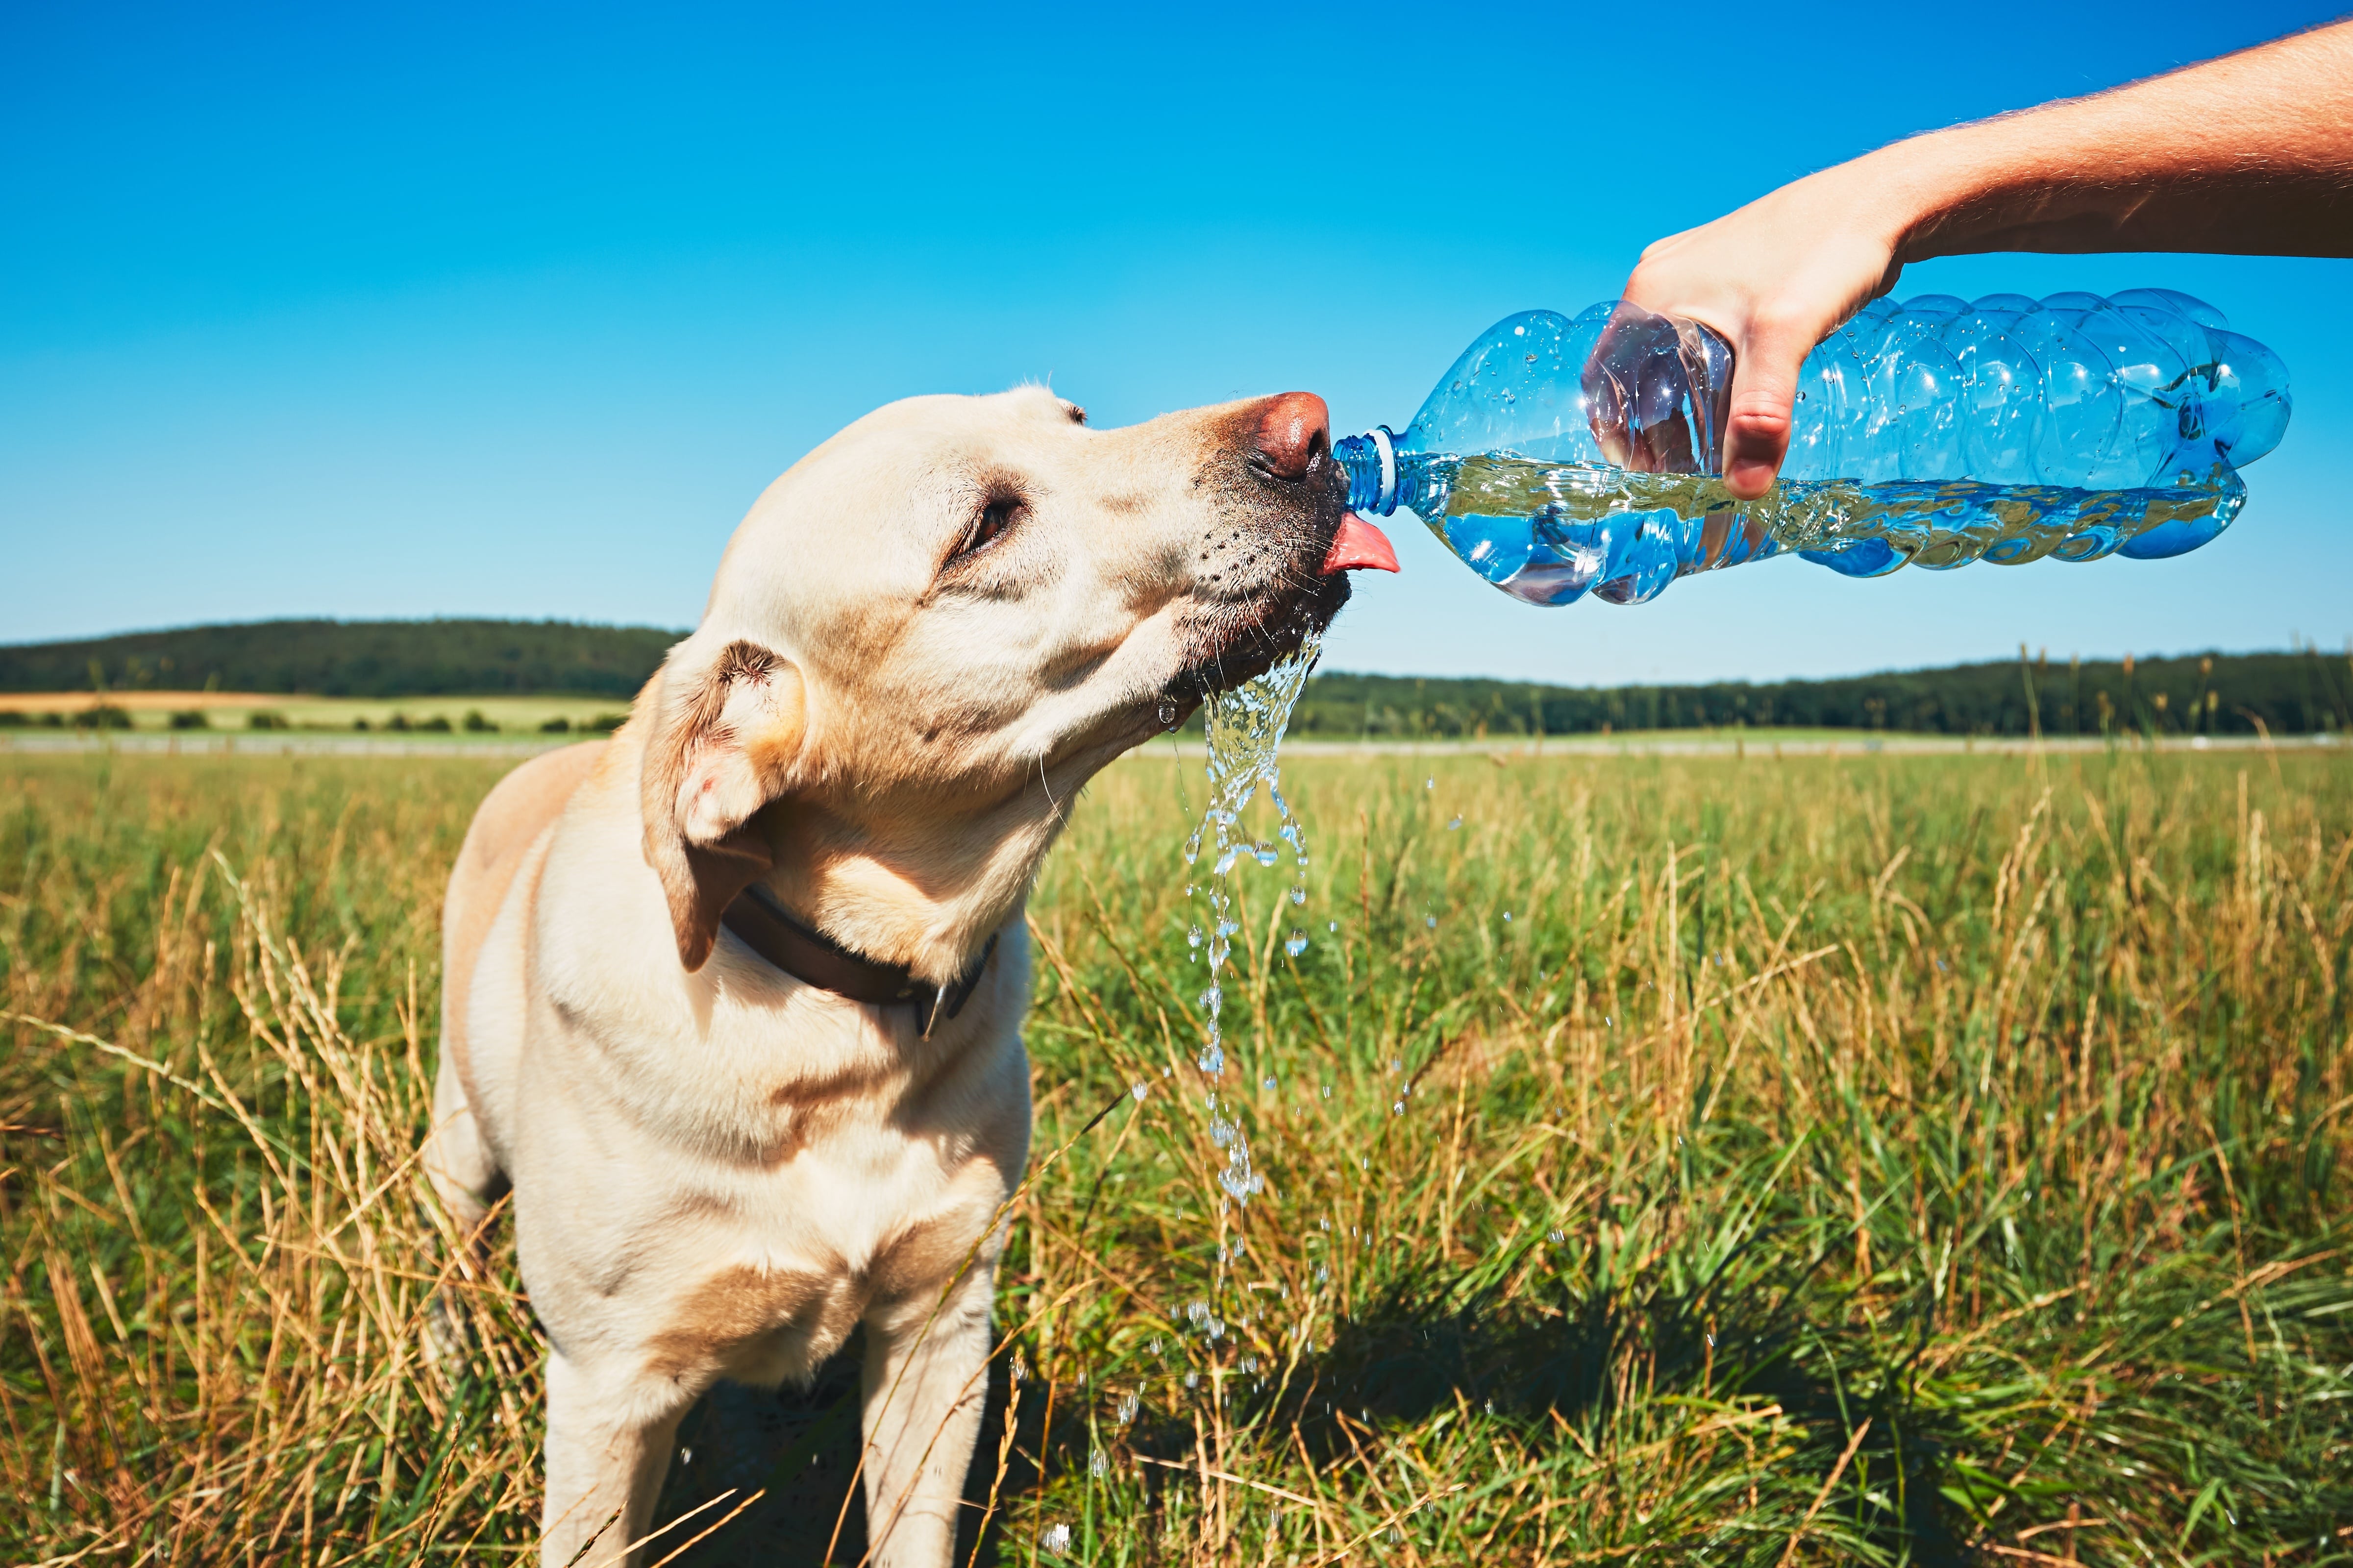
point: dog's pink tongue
(1359, 545)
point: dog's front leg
(606, 1452)
(926, 1381)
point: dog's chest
(785, 1262)
(778, 1166)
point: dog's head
(936, 627)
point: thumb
(1758, 418)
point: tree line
(2302, 693)
(2299, 692)
(351, 658)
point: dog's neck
(854, 882)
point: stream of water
(1244, 729)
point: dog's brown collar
(810, 956)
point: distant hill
(2289, 693)
(351, 658)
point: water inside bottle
(1550, 533)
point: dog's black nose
(1293, 428)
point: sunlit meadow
(1886, 1159)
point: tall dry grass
(221, 991)
(1924, 1160)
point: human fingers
(1766, 360)
(1770, 342)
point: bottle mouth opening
(1371, 462)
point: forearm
(2253, 153)
(2250, 154)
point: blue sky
(513, 311)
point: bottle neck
(1370, 462)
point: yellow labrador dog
(733, 1001)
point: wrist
(1919, 190)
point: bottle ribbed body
(1561, 456)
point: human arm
(2251, 154)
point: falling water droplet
(1139, 1089)
(1298, 895)
(1296, 943)
(1453, 825)
(1169, 715)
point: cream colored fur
(718, 1170)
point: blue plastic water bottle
(1560, 457)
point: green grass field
(1881, 1159)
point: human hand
(2251, 154)
(1774, 279)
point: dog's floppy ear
(724, 738)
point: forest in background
(350, 659)
(2303, 692)
(2299, 692)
